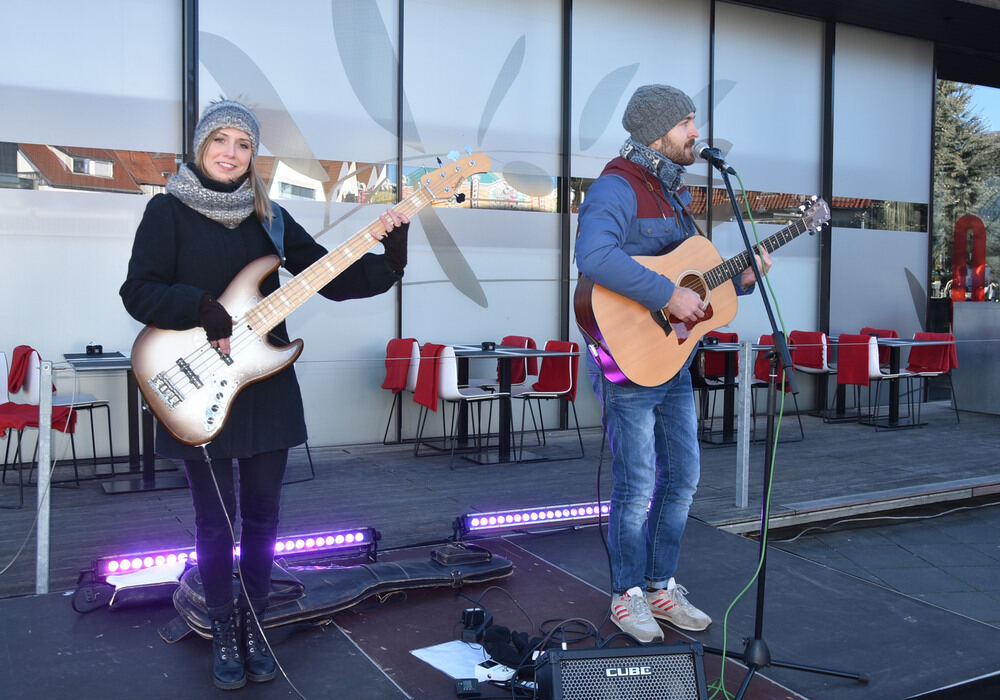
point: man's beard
(678, 154)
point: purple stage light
(524, 518)
(330, 544)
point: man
(639, 207)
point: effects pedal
(493, 671)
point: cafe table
(505, 355)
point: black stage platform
(814, 615)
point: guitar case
(315, 594)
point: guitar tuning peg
(453, 155)
(460, 197)
(468, 149)
(439, 162)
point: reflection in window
(781, 207)
(965, 238)
(290, 191)
(35, 166)
(46, 167)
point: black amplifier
(664, 672)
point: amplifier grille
(659, 677)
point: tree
(965, 171)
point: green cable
(720, 685)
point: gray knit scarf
(666, 171)
(227, 208)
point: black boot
(227, 665)
(260, 664)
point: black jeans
(260, 497)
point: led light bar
(529, 518)
(313, 545)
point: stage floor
(812, 615)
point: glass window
(882, 122)
(965, 244)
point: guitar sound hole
(695, 284)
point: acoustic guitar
(636, 346)
(190, 385)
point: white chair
(78, 402)
(448, 391)
(877, 374)
(810, 352)
(556, 380)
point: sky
(986, 101)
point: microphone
(713, 156)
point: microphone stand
(756, 654)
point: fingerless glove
(395, 247)
(213, 317)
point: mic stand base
(756, 654)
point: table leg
(894, 387)
(142, 462)
(462, 429)
(506, 415)
(132, 398)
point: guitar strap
(276, 230)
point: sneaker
(670, 604)
(630, 612)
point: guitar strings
(260, 319)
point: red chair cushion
(426, 392)
(519, 371)
(883, 352)
(715, 362)
(762, 365)
(933, 358)
(852, 359)
(806, 348)
(397, 363)
(558, 374)
(25, 415)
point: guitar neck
(277, 305)
(738, 263)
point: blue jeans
(653, 433)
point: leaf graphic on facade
(370, 64)
(528, 178)
(241, 79)
(366, 51)
(602, 104)
(450, 257)
(501, 86)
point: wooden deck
(816, 612)
(838, 470)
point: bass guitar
(636, 346)
(190, 385)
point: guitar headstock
(815, 213)
(442, 182)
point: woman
(191, 242)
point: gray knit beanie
(227, 114)
(653, 110)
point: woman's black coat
(180, 255)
